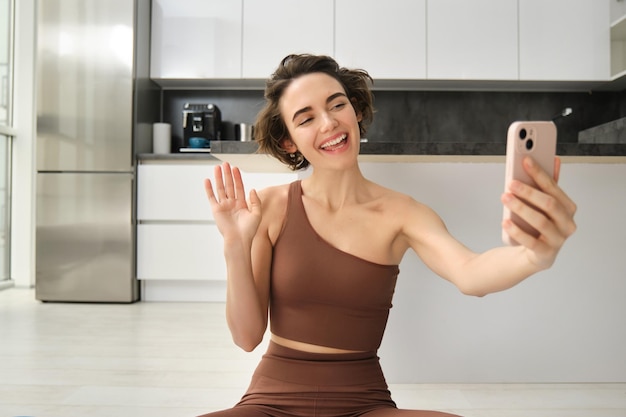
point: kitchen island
(565, 324)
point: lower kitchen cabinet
(180, 251)
(180, 255)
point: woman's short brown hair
(270, 129)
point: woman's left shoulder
(404, 208)
(396, 200)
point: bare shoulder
(411, 216)
(399, 203)
(273, 196)
(274, 207)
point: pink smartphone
(536, 139)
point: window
(6, 122)
(6, 54)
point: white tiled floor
(176, 359)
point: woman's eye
(304, 121)
(339, 105)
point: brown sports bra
(322, 295)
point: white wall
(23, 187)
(567, 324)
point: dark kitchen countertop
(441, 148)
(172, 157)
(387, 150)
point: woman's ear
(359, 114)
(288, 145)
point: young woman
(305, 252)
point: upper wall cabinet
(564, 40)
(386, 38)
(430, 43)
(273, 29)
(472, 39)
(196, 39)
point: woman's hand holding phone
(538, 214)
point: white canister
(161, 138)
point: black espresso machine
(201, 121)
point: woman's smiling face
(320, 119)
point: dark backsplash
(484, 116)
(428, 116)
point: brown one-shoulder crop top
(322, 295)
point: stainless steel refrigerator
(95, 108)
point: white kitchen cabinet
(195, 39)
(273, 29)
(385, 38)
(505, 40)
(178, 244)
(472, 39)
(564, 40)
(180, 252)
(173, 192)
(177, 239)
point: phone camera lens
(522, 134)
(529, 144)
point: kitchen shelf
(618, 29)
(618, 52)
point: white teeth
(334, 142)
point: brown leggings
(292, 383)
